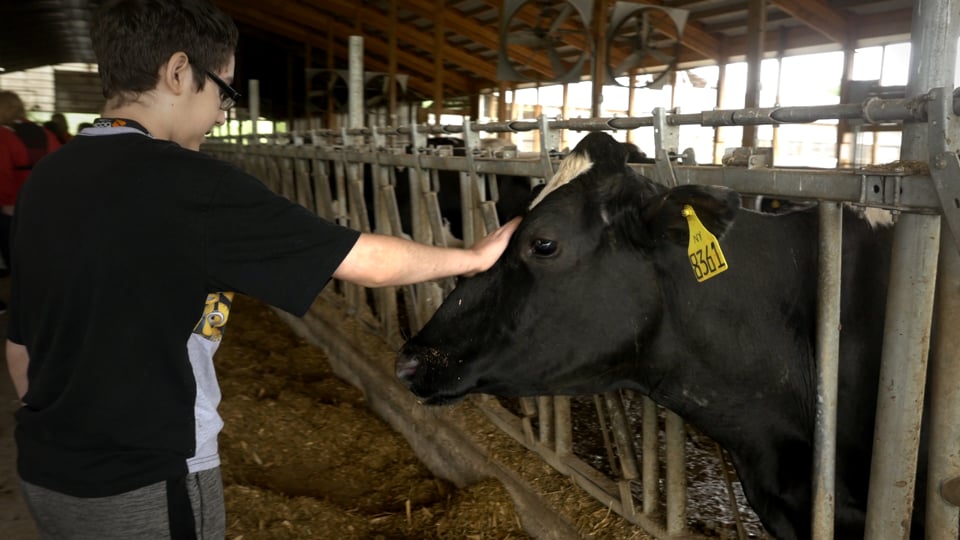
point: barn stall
(327, 176)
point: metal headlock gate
(326, 175)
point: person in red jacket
(22, 144)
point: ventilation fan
(643, 40)
(544, 40)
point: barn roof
(283, 41)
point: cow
(598, 291)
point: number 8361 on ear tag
(703, 250)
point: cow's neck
(740, 342)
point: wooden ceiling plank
(407, 33)
(297, 33)
(482, 35)
(818, 16)
(412, 62)
(869, 27)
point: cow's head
(575, 293)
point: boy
(128, 243)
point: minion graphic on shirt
(215, 314)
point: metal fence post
(828, 362)
(913, 275)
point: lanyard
(120, 123)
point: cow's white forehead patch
(878, 217)
(573, 166)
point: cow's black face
(575, 293)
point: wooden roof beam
(414, 36)
(480, 35)
(412, 62)
(818, 16)
(294, 14)
(870, 26)
(298, 33)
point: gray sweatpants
(157, 511)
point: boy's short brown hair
(134, 38)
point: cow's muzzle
(406, 368)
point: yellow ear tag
(706, 257)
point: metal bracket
(749, 157)
(378, 138)
(546, 138)
(480, 196)
(944, 163)
(666, 138)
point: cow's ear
(715, 207)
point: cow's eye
(542, 247)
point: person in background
(24, 143)
(59, 127)
(129, 245)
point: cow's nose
(406, 367)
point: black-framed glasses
(228, 95)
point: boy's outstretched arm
(17, 361)
(380, 260)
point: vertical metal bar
(323, 201)
(650, 456)
(302, 173)
(621, 434)
(415, 175)
(546, 141)
(254, 100)
(359, 212)
(355, 294)
(355, 86)
(913, 271)
(625, 450)
(599, 67)
(392, 65)
(756, 41)
(564, 426)
(943, 468)
(676, 475)
(545, 418)
(828, 366)
(468, 206)
(666, 139)
(340, 196)
(944, 465)
(287, 185)
(602, 420)
(529, 408)
(906, 340)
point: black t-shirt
(118, 240)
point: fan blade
(633, 60)
(561, 17)
(556, 63)
(662, 56)
(527, 38)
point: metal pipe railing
(872, 110)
